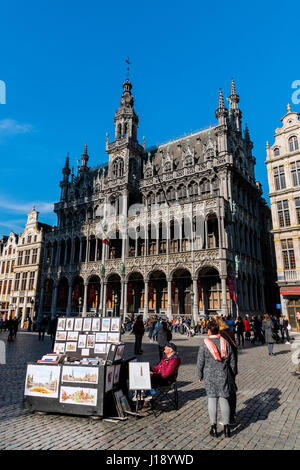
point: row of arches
(207, 294)
(178, 236)
(192, 190)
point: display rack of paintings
(89, 373)
(87, 337)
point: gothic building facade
(177, 229)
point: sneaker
(287, 342)
(148, 397)
(134, 398)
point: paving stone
(268, 407)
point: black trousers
(138, 344)
(232, 405)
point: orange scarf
(214, 350)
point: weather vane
(128, 63)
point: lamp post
(192, 310)
(116, 298)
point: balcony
(290, 275)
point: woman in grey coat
(269, 331)
(162, 337)
(214, 357)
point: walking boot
(226, 430)
(213, 431)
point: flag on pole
(106, 240)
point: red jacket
(247, 325)
(166, 368)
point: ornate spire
(66, 170)
(84, 156)
(221, 112)
(288, 108)
(235, 112)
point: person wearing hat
(165, 372)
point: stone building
(174, 229)
(8, 249)
(24, 297)
(283, 164)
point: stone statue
(102, 270)
(122, 269)
(233, 207)
(237, 262)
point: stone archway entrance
(181, 288)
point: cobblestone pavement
(268, 410)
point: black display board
(86, 337)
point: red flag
(92, 293)
(173, 289)
(109, 292)
(230, 284)
(199, 286)
(76, 293)
(130, 292)
(151, 290)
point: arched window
(293, 143)
(118, 168)
(193, 189)
(119, 131)
(205, 187)
(276, 152)
(171, 194)
(181, 192)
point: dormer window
(118, 168)
(276, 152)
(293, 143)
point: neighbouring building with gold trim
(24, 297)
(8, 249)
(169, 230)
(283, 165)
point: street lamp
(116, 298)
(192, 310)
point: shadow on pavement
(257, 408)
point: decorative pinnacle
(267, 144)
(221, 100)
(232, 89)
(288, 108)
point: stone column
(122, 297)
(196, 301)
(72, 251)
(101, 297)
(224, 296)
(169, 310)
(54, 300)
(57, 253)
(104, 299)
(87, 253)
(125, 300)
(69, 301)
(85, 299)
(146, 311)
(24, 311)
(66, 252)
(80, 251)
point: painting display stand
(89, 371)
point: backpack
(169, 336)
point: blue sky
(63, 65)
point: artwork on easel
(139, 376)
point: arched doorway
(93, 300)
(62, 296)
(113, 295)
(135, 292)
(210, 292)
(181, 292)
(157, 293)
(77, 296)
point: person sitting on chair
(165, 372)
